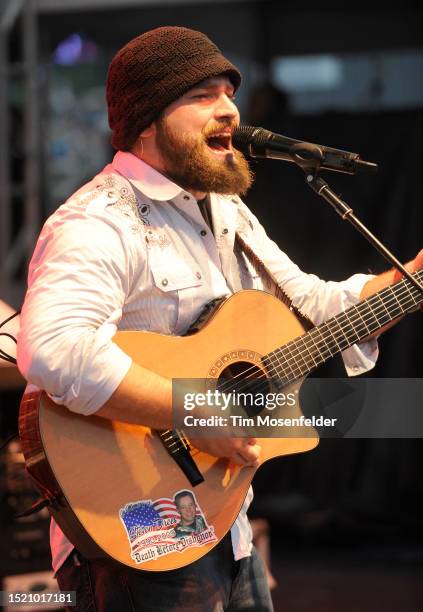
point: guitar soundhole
(248, 385)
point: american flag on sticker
(143, 514)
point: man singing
(146, 245)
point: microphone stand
(347, 214)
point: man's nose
(226, 108)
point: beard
(192, 165)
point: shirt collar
(148, 180)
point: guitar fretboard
(305, 353)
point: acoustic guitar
(145, 498)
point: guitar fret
(281, 366)
(372, 320)
(361, 329)
(411, 294)
(373, 317)
(316, 331)
(418, 295)
(284, 371)
(329, 340)
(335, 334)
(278, 367)
(411, 303)
(298, 370)
(363, 322)
(395, 312)
(292, 356)
(314, 362)
(379, 299)
(311, 355)
(289, 358)
(344, 326)
(347, 328)
(313, 349)
(319, 356)
(297, 346)
(381, 312)
(416, 298)
(407, 303)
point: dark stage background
(352, 499)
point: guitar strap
(266, 275)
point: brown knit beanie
(152, 71)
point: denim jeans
(214, 583)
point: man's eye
(206, 96)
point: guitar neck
(303, 354)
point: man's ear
(149, 131)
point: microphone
(258, 142)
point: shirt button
(198, 275)
(225, 230)
(164, 282)
(203, 232)
(110, 194)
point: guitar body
(100, 473)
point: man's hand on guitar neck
(412, 266)
(389, 278)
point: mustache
(218, 127)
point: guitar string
(395, 296)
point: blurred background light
(75, 49)
(316, 72)
(353, 82)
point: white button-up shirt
(131, 250)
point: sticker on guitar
(163, 526)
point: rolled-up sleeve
(79, 277)
(318, 299)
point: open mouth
(220, 142)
